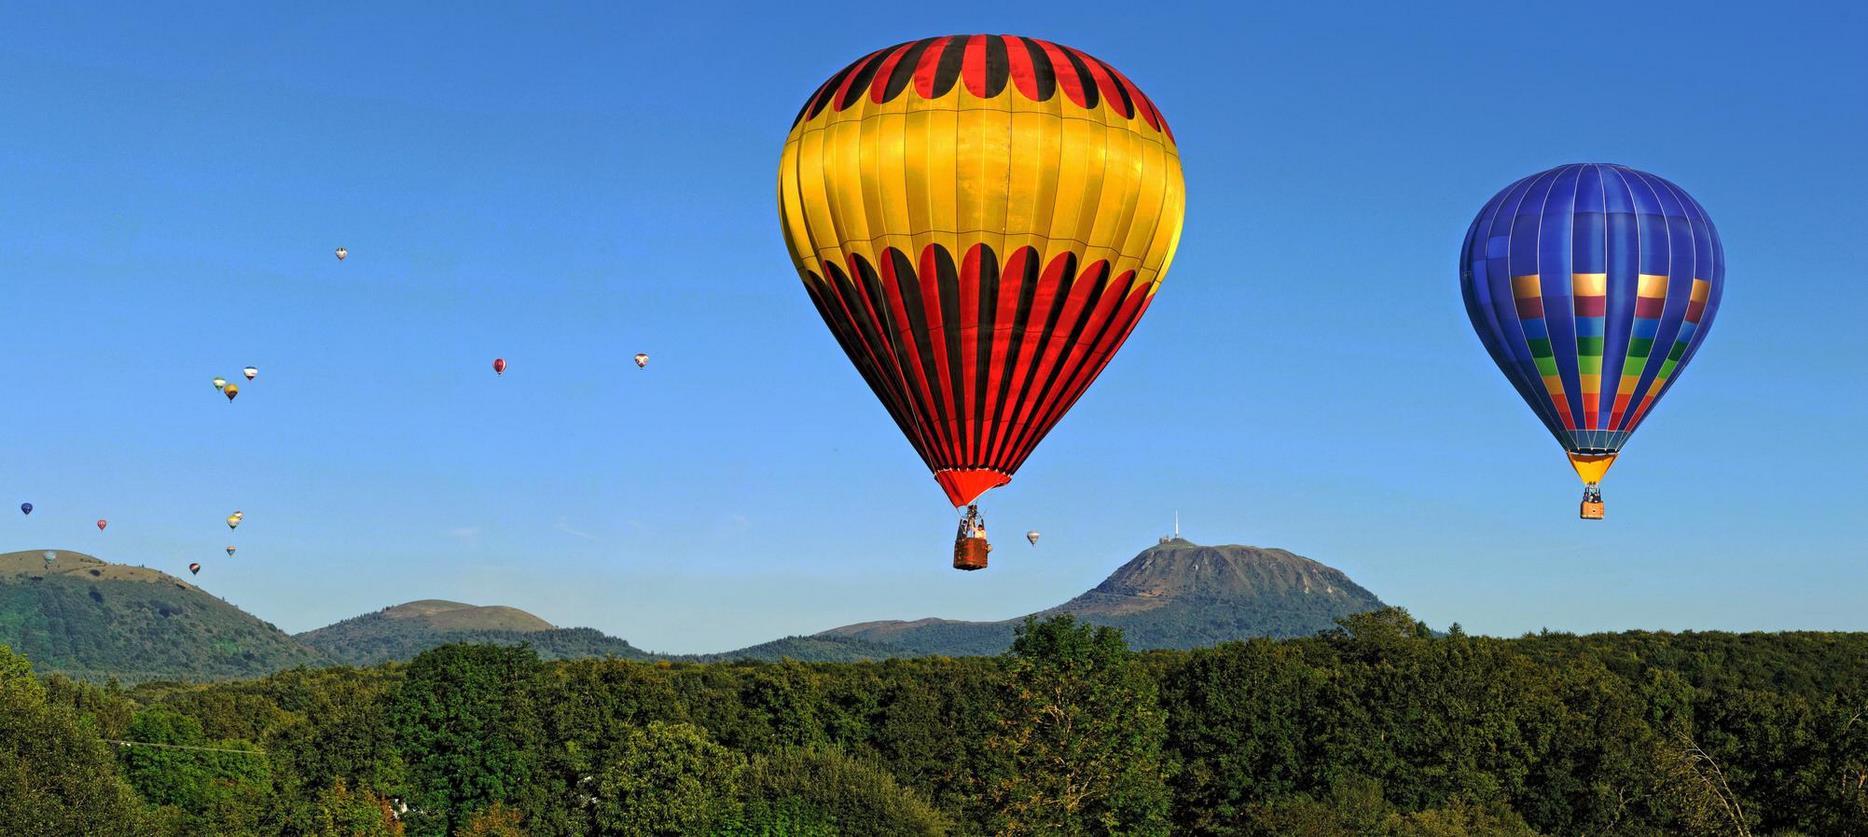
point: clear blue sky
(565, 189)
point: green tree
(828, 789)
(56, 777)
(215, 786)
(933, 720)
(667, 779)
(1080, 736)
(1237, 718)
(467, 725)
(335, 730)
(495, 820)
(342, 812)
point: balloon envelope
(220, 383)
(101, 524)
(1592, 286)
(25, 508)
(1032, 536)
(231, 391)
(233, 521)
(194, 569)
(980, 220)
(250, 372)
(231, 551)
(341, 253)
(499, 366)
(642, 360)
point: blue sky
(567, 188)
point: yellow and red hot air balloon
(981, 220)
(230, 391)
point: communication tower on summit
(1176, 535)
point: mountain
(1176, 594)
(93, 619)
(405, 630)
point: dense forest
(1378, 727)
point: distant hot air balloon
(194, 569)
(231, 550)
(25, 508)
(1592, 286)
(981, 221)
(1032, 536)
(250, 372)
(233, 520)
(101, 523)
(220, 383)
(499, 366)
(642, 360)
(231, 391)
(49, 557)
(341, 253)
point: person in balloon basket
(970, 548)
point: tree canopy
(1378, 727)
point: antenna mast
(1177, 526)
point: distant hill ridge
(76, 564)
(1175, 594)
(90, 618)
(405, 630)
(455, 616)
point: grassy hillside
(456, 616)
(92, 619)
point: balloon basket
(969, 544)
(970, 553)
(1592, 503)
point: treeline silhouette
(1379, 727)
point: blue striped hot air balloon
(1592, 286)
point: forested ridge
(97, 628)
(1378, 727)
